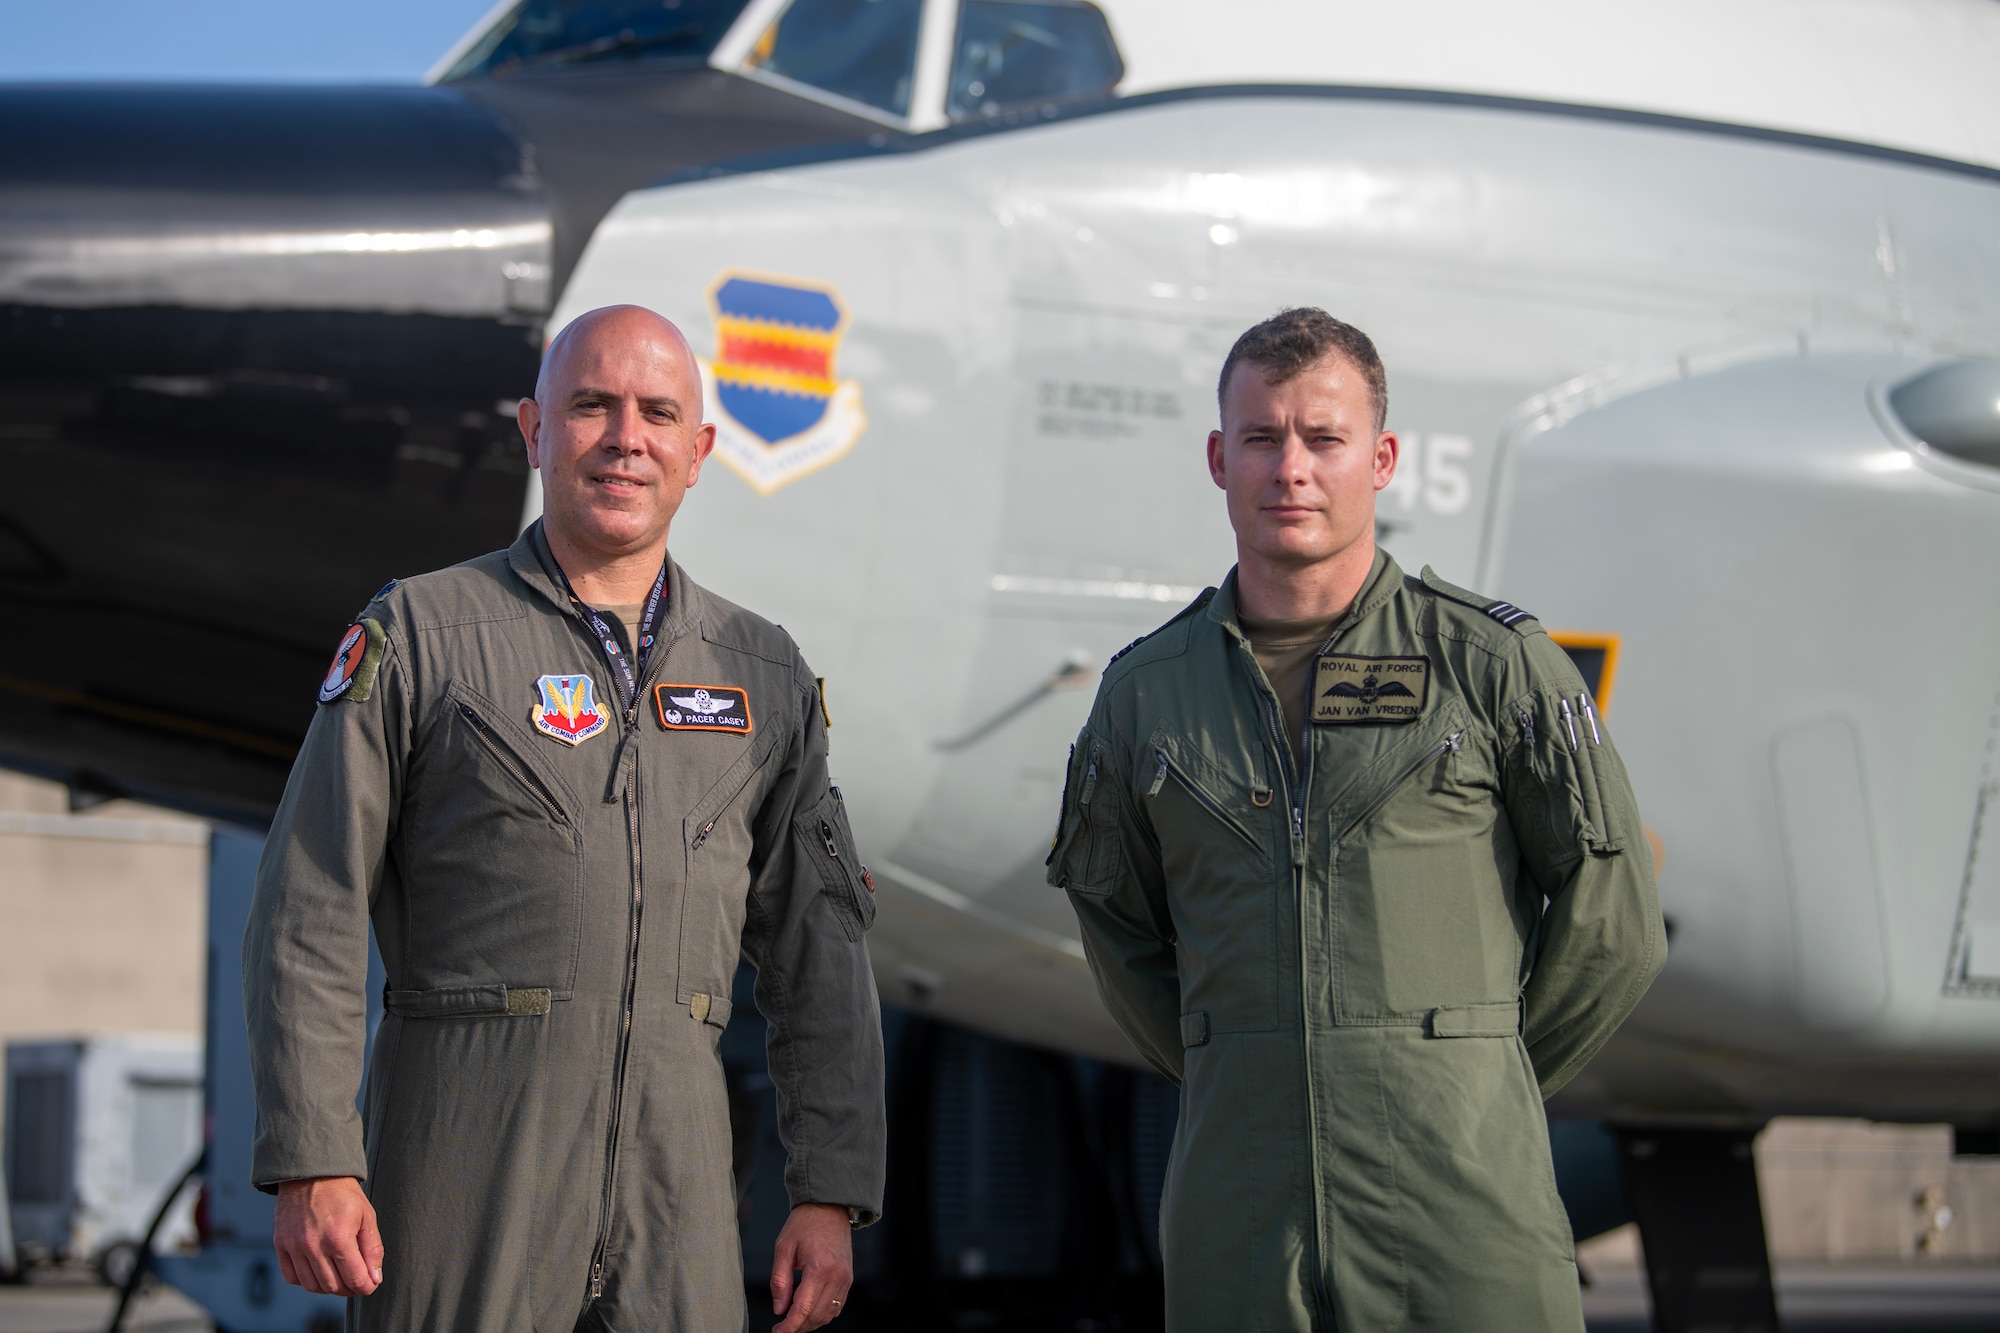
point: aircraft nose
(335, 198)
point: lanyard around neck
(624, 670)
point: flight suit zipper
(1298, 783)
(1299, 860)
(631, 993)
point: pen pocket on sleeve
(1084, 857)
(829, 845)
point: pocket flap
(1232, 800)
(1477, 1020)
(722, 793)
(513, 750)
(1194, 1029)
(469, 1002)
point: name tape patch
(1370, 689)
(703, 708)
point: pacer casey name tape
(1370, 689)
(703, 708)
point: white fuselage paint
(1660, 342)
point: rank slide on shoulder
(703, 708)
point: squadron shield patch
(568, 709)
(1370, 689)
(781, 409)
(703, 708)
(352, 674)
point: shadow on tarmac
(1874, 1300)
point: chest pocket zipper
(1165, 767)
(716, 802)
(1449, 745)
(522, 774)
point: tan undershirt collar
(1286, 649)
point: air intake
(1954, 409)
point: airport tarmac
(1832, 1300)
(77, 1303)
(1838, 1300)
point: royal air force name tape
(1349, 689)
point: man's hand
(326, 1237)
(818, 1240)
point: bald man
(569, 787)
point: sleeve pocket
(1576, 769)
(1083, 857)
(829, 846)
(1602, 776)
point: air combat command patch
(1370, 689)
(568, 709)
(703, 708)
(779, 411)
(352, 675)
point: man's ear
(704, 444)
(1215, 460)
(1387, 450)
(528, 416)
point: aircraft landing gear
(1701, 1221)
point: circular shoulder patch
(346, 666)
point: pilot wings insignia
(1370, 689)
(701, 701)
(1350, 689)
(703, 708)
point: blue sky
(241, 40)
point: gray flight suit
(546, 1129)
(1365, 972)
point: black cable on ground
(143, 1265)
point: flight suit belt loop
(469, 1002)
(711, 1009)
(1498, 1019)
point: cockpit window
(569, 32)
(864, 50)
(1015, 51)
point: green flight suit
(1365, 976)
(561, 889)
